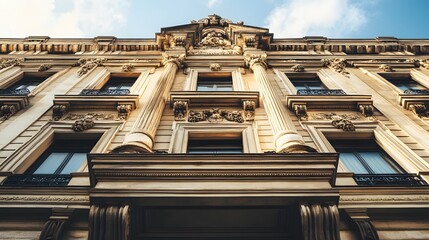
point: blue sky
(284, 18)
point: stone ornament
(215, 67)
(385, 68)
(252, 59)
(44, 67)
(11, 62)
(332, 116)
(249, 110)
(124, 111)
(58, 111)
(127, 67)
(174, 58)
(109, 222)
(6, 111)
(317, 219)
(297, 68)
(87, 64)
(367, 110)
(215, 115)
(301, 112)
(83, 124)
(180, 109)
(419, 109)
(338, 64)
(344, 124)
(424, 63)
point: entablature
(96, 102)
(214, 99)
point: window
(27, 84)
(119, 83)
(364, 156)
(403, 82)
(214, 82)
(215, 144)
(306, 82)
(62, 157)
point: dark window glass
(119, 83)
(365, 157)
(29, 82)
(218, 83)
(63, 157)
(307, 83)
(215, 146)
(404, 82)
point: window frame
(237, 81)
(210, 138)
(181, 132)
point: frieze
(95, 116)
(11, 62)
(332, 116)
(216, 115)
(338, 64)
(83, 124)
(234, 50)
(87, 64)
(44, 67)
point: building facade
(214, 130)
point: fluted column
(141, 137)
(286, 137)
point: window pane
(377, 163)
(51, 163)
(75, 162)
(352, 163)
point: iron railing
(93, 92)
(321, 92)
(416, 92)
(389, 180)
(37, 180)
(14, 92)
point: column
(141, 137)
(285, 135)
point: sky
(284, 18)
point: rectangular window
(27, 84)
(365, 157)
(116, 83)
(63, 157)
(306, 82)
(215, 144)
(214, 82)
(403, 82)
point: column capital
(174, 58)
(256, 59)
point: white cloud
(84, 18)
(330, 18)
(213, 3)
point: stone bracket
(180, 109)
(363, 223)
(6, 111)
(249, 107)
(109, 222)
(419, 109)
(58, 111)
(366, 109)
(320, 222)
(53, 228)
(301, 111)
(124, 111)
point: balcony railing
(321, 92)
(37, 180)
(389, 180)
(416, 92)
(93, 92)
(15, 92)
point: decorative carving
(301, 111)
(419, 109)
(338, 64)
(344, 124)
(180, 109)
(54, 227)
(95, 116)
(58, 111)
(233, 50)
(252, 59)
(367, 110)
(44, 67)
(322, 92)
(215, 67)
(297, 68)
(366, 229)
(215, 39)
(111, 222)
(249, 110)
(424, 63)
(124, 111)
(127, 67)
(87, 64)
(320, 222)
(332, 116)
(11, 62)
(177, 59)
(385, 68)
(83, 124)
(216, 115)
(6, 111)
